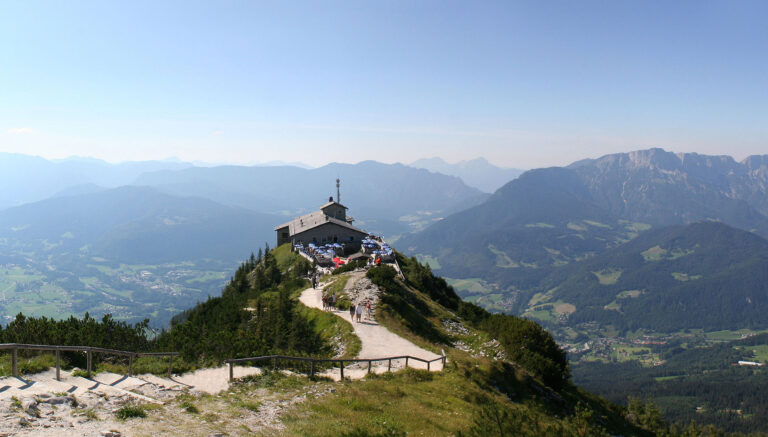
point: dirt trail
(377, 341)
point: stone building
(328, 225)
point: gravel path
(377, 341)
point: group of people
(356, 311)
(329, 302)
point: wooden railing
(15, 347)
(313, 361)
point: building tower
(338, 190)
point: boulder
(58, 400)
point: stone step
(163, 383)
(106, 389)
(48, 377)
(109, 384)
(124, 382)
(22, 387)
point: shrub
(349, 267)
(130, 411)
(189, 407)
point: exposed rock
(58, 400)
(29, 406)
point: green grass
(329, 326)
(679, 253)
(540, 298)
(405, 402)
(683, 277)
(429, 260)
(208, 276)
(188, 407)
(337, 287)
(284, 257)
(730, 335)
(542, 315)
(636, 227)
(597, 224)
(276, 381)
(539, 225)
(130, 411)
(469, 285)
(27, 364)
(629, 294)
(502, 259)
(576, 226)
(655, 253)
(154, 365)
(759, 352)
(416, 402)
(608, 276)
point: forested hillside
(705, 275)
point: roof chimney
(338, 190)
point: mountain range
(478, 173)
(161, 240)
(388, 199)
(550, 218)
(133, 225)
(25, 178)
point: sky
(523, 84)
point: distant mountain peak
(478, 172)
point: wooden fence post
(311, 368)
(170, 366)
(369, 366)
(89, 362)
(15, 362)
(231, 371)
(341, 366)
(130, 365)
(406, 362)
(58, 366)
(274, 363)
(389, 366)
(428, 363)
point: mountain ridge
(478, 172)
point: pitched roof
(313, 220)
(333, 203)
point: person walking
(368, 310)
(333, 302)
(352, 311)
(359, 312)
(325, 302)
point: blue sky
(525, 84)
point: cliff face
(662, 188)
